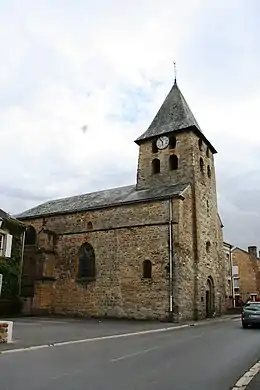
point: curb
(244, 381)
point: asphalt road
(204, 357)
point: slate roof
(102, 199)
(3, 214)
(11, 224)
(173, 115)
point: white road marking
(143, 351)
(57, 377)
(134, 354)
(244, 381)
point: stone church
(151, 250)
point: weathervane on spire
(175, 71)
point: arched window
(207, 152)
(147, 269)
(207, 203)
(172, 142)
(201, 165)
(200, 144)
(173, 162)
(30, 236)
(90, 225)
(156, 166)
(154, 147)
(208, 171)
(207, 246)
(86, 262)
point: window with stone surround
(147, 269)
(154, 147)
(172, 143)
(156, 166)
(200, 144)
(173, 162)
(208, 246)
(201, 165)
(90, 225)
(207, 152)
(208, 171)
(207, 205)
(86, 262)
(30, 236)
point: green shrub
(10, 268)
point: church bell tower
(169, 147)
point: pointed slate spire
(173, 115)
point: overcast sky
(108, 66)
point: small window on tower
(200, 144)
(147, 269)
(154, 147)
(90, 225)
(156, 166)
(207, 152)
(201, 165)
(173, 162)
(208, 171)
(207, 246)
(172, 142)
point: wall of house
(227, 249)
(248, 272)
(122, 238)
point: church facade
(152, 250)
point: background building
(246, 274)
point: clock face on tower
(162, 142)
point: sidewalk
(255, 383)
(34, 331)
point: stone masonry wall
(202, 214)
(184, 256)
(211, 262)
(122, 238)
(184, 173)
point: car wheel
(244, 325)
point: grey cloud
(21, 193)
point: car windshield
(253, 305)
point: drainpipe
(170, 263)
(21, 264)
(232, 277)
